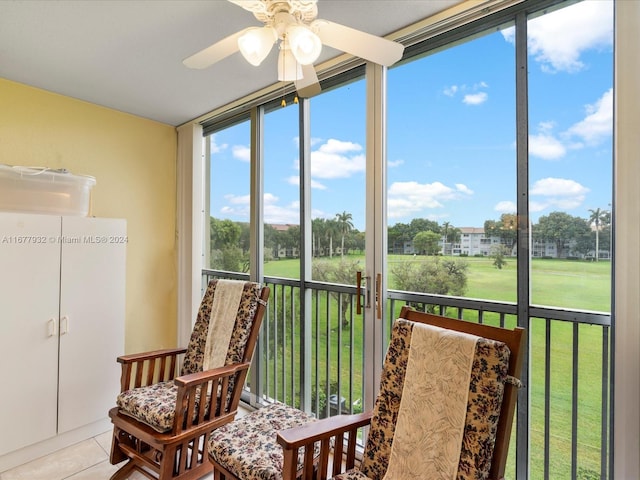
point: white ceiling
(127, 54)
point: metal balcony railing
(317, 363)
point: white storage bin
(44, 190)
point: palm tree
(318, 227)
(331, 228)
(596, 218)
(445, 231)
(344, 226)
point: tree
(355, 241)
(418, 225)
(343, 273)
(291, 238)
(445, 235)
(506, 229)
(498, 252)
(331, 228)
(426, 242)
(226, 252)
(560, 228)
(397, 235)
(596, 219)
(605, 231)
(224, 233)
(345, 225)
(441, 276)
(454, 235)
(270, 242)
(318, 233)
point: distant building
(473, 242)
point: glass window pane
(452, 171)
(570, 155)
(229, 198)
(338, 177)
(338, 125)
(281, 193)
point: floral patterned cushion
(247, 447)
(354, 474)
(154, 405)
(488, 376)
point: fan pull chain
(283, 103)
(284, 69)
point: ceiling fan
(292, 24)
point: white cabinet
(62, 293)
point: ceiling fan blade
(214, 53)
(254, 6)
(308, 85)
(361, 44)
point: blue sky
(451, 133)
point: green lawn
(557, 283)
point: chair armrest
(141, 369)
(136, 357)
(209, 398)
(333, 432)
(198, 378)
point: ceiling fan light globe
(255, 44)
(305, 45)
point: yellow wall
(134, 163)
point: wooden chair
(406, 436)
(162, 421)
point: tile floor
(87, 460)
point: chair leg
(124, 471)
(117, 455)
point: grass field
(556, 283)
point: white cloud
(237, 199)
(282, 214)
(557, 40)
(395, 163)
(596, 126)
(238, 207)
(475, 98)
(295, 180)
(546, 146)
(409, 198)
(505, 206)
(337, 159)
(450, 91)
(557, 193)
(472, 94)
(557, 187)
(592, 130)
(462, 188)
(314, 141)
(214, 147)
(241, 152)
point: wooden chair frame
(181, 452)
(342, 429)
